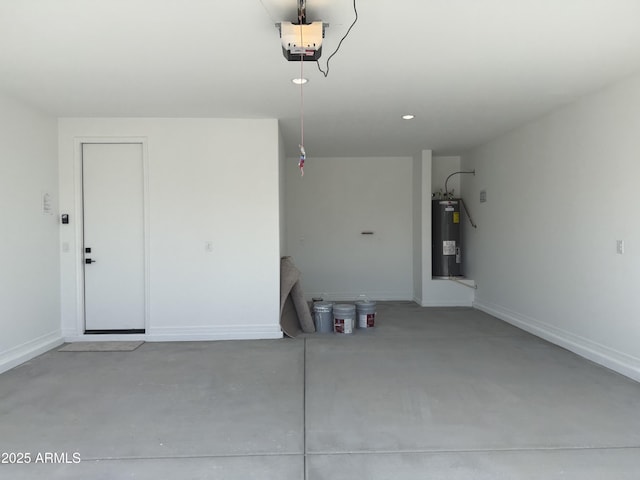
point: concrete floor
(444, 393)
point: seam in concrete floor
(364, 452)
(304, 409)
(471, 450)
(186, 457)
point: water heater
(446, 243)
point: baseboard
(185, 334)
(353, 296)
(615, 360)
(455, 303)
(227, 332)
(23, 353)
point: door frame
(79, 234)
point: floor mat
(100, 346)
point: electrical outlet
(620, 247)
(483, 196)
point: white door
(113, 201)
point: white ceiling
(468, 69)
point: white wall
(326, 211)
(560, 192)
(208, 180)
(29, 276)
(421, 230)
(282, 159)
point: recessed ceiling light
(408, 116)
(299, 81)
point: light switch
(208, 246)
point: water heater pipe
(446, 191)
(467, 212)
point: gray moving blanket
(295, 316)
